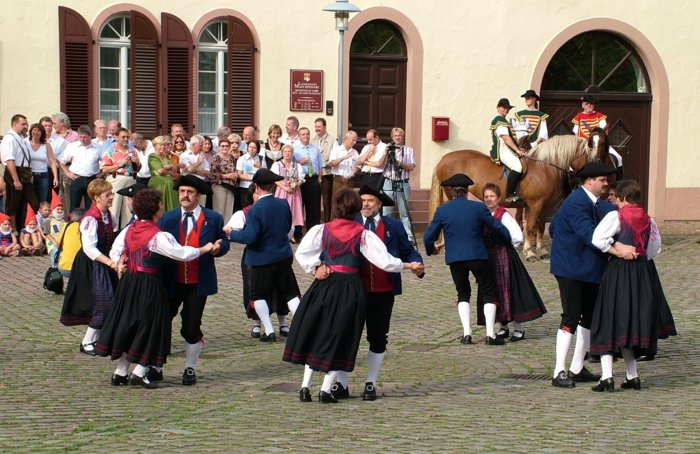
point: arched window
(378, 38)
(212, 72)
(114, 70)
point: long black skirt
(89, 293)
(328, 324)
(139, 324)
(667, 326)
(627, 311)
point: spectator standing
(325, 143)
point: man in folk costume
(381, 286)
(462, 221)
(578, 267)
(534, 119)
(268, 253)
(505, 150)
(189, 283)
(585, 122)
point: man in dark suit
(578, 267)
(462, 221)
(381, 286)
(189, 283)
(266, 233)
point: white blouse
(604, 233)
(162, 243)
(88, 235)
(372, 248)
(509, 222)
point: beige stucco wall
(473, 53)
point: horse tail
(435, 196)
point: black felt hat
(589, 99)
(385, 199)
(458, 180)
(266, 176)
(131, 191)
(530, 94)
(594, 169)
(193, 182)
(503, 102)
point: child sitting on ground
(9, 247)
(54, 225)
(30, 238)
(42, 216)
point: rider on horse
(505, 151)
(533, 118)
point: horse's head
(598, 142)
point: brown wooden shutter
(177, 64)
(75, 40)
(241, 70)
(145, 86)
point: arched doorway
(377, 97)
(606, 66)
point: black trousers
(482, 272)
(78, 192)
(577, 301)
(311, 197)
(277, 277)
(192, 310)
(379, 307)
(327, 196)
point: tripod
(400, 209)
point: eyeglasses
(107, 195)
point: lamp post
(342, 10)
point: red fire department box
(441, 128)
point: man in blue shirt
(309, 156)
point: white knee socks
(123, 366)
(583, 342)
(328, 380)
(342, 377)
(282, 319)
(374, 363)
(192, 351)
(606, 362)
(630, 363)
(465, 315)
(139, 370)
(90, 337)
(308, 375)
(564, 339)
(490, 317)
(293, 304)
(263, 311)
(518, 326)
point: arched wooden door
(377, 80)
(605, 66)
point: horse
(543, 187)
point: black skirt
(328, 324)
(89, 293)
(139, 324)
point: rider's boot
(512, 187)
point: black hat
(193, 182)
(385, 199)
(530, 94)
(594, 169)
(503, 102)
(589, 99)
(266, 176)
(131, 191)
(458, 180)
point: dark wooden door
(628, 130)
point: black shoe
(645, 358)
(284, 331)
(633, 383)
(495, 340)
(135, 380)
(594, 359)
(88, 351)
(503, 333)
(604, 385)
(562, 380)
(584, 375)
(268, 338)
(255, 333)
(305, 394)
(517, 336)
(340, 392)
(465, 339)
(119, 380)
(370, 392)
(154, 374)
(189, 377)
(326, 398)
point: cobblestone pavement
(436, 395)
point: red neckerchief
(140, 233)
(638, 221)
(498, 214)
(341, 236)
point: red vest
(188, 272)
(376, 279)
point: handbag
(53, 279)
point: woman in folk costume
(627, 318)
(518, 297)
(328, 324)
(138, 328)
(93, 278)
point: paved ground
(436, 394)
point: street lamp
(342, 10)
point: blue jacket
(573, 254)
(265, 233)
(212, 230)
(396, 241)
(462, 222)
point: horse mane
(560, 151)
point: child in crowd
(9, 246)
(42, 216)
(54, 225)
(70, 234)
(30, 238)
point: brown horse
(543, 187)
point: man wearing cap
(189, 283)
(534, 119)
(381, 286)
(266, 234)
(462, 221)
(505, 151)
(578, 267)
(585, 122)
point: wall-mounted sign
(305, 90)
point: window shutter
(145, 113)
(177, 55)
(75, 40)
(241, 69)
